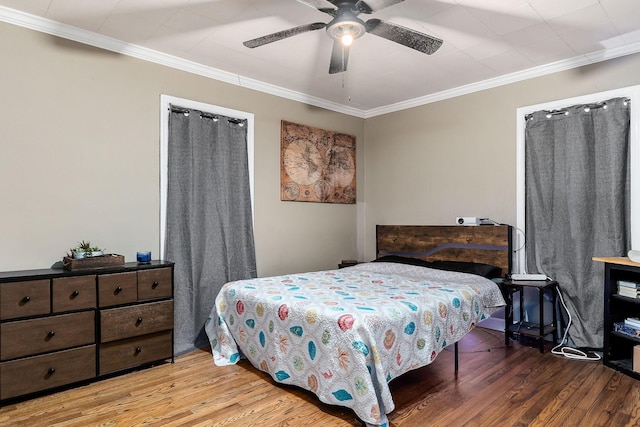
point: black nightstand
(536, 331)
(347, 263)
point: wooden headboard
(487, 244)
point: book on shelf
(628, 292)
(633, 322)
(628, 284)
(627, 330)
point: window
(165, 103)
(633, 93)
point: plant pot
(78, 255)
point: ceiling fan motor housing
(346, 22)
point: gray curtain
(577, 204)
(209, 225)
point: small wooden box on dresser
(59, 327)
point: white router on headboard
(467, 220)
(474, 220)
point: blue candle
(143, 256)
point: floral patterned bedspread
(345, 334)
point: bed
(345, 334)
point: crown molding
(530, 73)
(69, 32)
(48, 26)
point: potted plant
(85, 250)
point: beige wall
(430, 164)
(80, 152)
(79, 158)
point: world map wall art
(317, 165)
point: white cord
(523, 240)
(569, 352)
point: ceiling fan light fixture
(347, 39)
(346, 31)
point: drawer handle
(51, 334)
(26, 299)
(75, 293)
(118, 290)
(51, 371)
(138, 350)
(154, 285)
(138, 321)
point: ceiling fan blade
(329, 11)
(317, 4)
(321, 5)
(371, 6)
(339, 58)
(404, 36)
(270, 38)
(360, 6)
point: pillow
(403, 260)
(484, 270)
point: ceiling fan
(346, 27)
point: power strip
(528, 277)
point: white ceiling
(486, 43)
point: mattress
(345, 334)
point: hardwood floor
(495, 386)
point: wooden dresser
(59, 327)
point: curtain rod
(565, 110)
(205, 115)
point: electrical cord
(495, 335)
(523, 240)
(570, 352)
(490, 220)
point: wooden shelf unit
(618, 347)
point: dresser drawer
(135, 320)
(38, 373)
(154, 284)
(117, 288)
(73, 293)
(22, 299)
(123, 354)
(35, 336)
